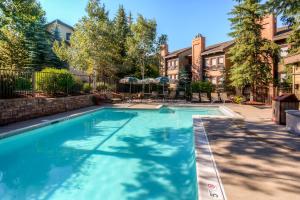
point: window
(282, 77)
(176, 62)
(214, 80)
(206, 62)
(221, 60)
(169, 63)
(176, 77)
(214, 61)
(283, 51)
(68, 36)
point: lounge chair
(215, 98)
(224, 98)
(113, 98)
(195, 97)
(181, 94)
(204, 98)
(154, 95)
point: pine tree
(251, 54)
(289, 10)
(121, 33)
(56, 34)
(26, 21)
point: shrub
(202, 86)
(87, 88)
(238, 99)
(54, 81)
(8, 86)
(101, 87)
(205, 86)
(195, 87)
(77, 86)
(23, 83)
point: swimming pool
(109, 154)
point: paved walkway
(257, 160)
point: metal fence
(23, 83)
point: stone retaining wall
(13, 110)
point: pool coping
(209, 182)
(46, 123)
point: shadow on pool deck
(253, 167)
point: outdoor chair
(195, 97)
(113, 98)
(204, 98)
(181, 94)
(215, 97)
(154, 95)
(224, 98)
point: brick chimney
(269, 24)
(198, 46)
(164, 51)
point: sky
(181, 20)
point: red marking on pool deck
(211, 186)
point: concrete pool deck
(256, 159)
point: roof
(177, 52)
(292, 59)
(216, 48)
(61, 23)
(282, 33)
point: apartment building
(212, 62)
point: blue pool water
(111, 154)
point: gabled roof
(217, 48)
(177, 52)
(282, 33)
(61, 23)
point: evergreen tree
(290, 15)
(251, 54)
(26, 21)
(121, 33)
(56, 34)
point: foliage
(140, 45)
(77, 86)
(23, 83)
(87, 88)
(112, 48)
(54, 81)
(202, 86)
(251, 55)
(23, 37)
(238, 99)
(195, 86)
(289, 10)
(7, 81)
(121, 33)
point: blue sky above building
(181, 20)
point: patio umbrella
(149, 81)
(163, 80)
(129, 80)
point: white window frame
(219, 59)
(214, 61)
